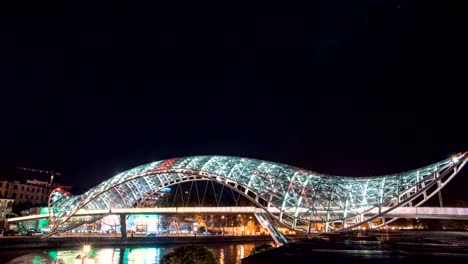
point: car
(151, 234)
(10, 232)
(34, 232)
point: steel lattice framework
(292, 196)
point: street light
(241, 217)
(86, 249)
(85, 254)
(195, 228)
(225, 223)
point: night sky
(351, 88)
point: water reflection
(221, 256)
(226, 254)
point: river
(390, 247)
(227, 253)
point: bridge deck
(159, 210)
(408, 212)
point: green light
(53, 254)
(36, 260)
(44, 210)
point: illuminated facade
(290, 196)
(6, 206)
(29, 192)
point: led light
(455, 158)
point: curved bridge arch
(292, 196)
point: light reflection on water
(226, 254)
(221, 256)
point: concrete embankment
(72, 242)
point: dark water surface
(373, 247)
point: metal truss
(294, 197)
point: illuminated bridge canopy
(297, 196)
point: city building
(6, 206)
(33, 192)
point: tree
(190, 254)
(261, 248)
(19, 207)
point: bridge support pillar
(123, 226)
(441, 204)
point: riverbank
(73, 242)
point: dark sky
(340, 87)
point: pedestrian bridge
(284, 195)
